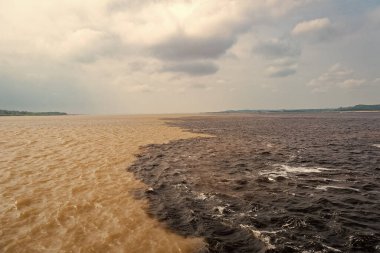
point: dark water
(270, 183)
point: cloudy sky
(161, 56)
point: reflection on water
(64, 186)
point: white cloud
(87, 27)
(195, 20)
(352, 83)
(311, 26)
(336, 76)
(178, 33)
(316, 29)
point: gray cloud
(281, 72)
(123, 5)
(192, 68)
(282, 54)
(119, 5)
(207, 37)
(277, 48)
(282, 68)
(181, 47)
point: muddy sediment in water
(269, 183)
(64, 188)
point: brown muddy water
(64, 187)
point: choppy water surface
(64, 187)
(275, 183)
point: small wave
(329, 248)
(326, 187)
(270, 174)
(220, 209)
(376, 145)
(290, 169)
(260, 235)
(283, 170)
(201, 196)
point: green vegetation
(360, 108)
(25, 113)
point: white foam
(290, 169)
(293, 223)
(179, 186)
(284, 170)
(201, 196)
(376, 145)
(273, 173)
(333, 180)
(220, 209)
(326, 187)
(259, 235)
(331, 248)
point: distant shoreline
(311, 111)
(356, 108)
(26, 113)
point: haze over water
(64, 185)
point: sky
(181, 56)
